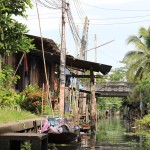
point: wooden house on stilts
(30, 68)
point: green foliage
(47, 110)
(26, 146)
(118, 74)
(8, 96)
(56, 94)
(12, 33)
(144, 122)
(16, 7)
(7, 78)
(138, 60)
(108, 103)
(32, 99)
(141, 91)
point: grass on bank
(12, 115)
(8, 115)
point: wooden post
(87, 115)
(42, 108)
(93, 101)
(52, 75)
(77, 105)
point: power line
(118, 23)
(40, 18)
(119, 18)
(72, 25)
(52, 4)
(78, 11)
(29, 16)
(46, 14)
(111, 9)
(80, 8)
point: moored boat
(60, 131)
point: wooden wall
(31, 71)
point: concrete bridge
(111, 89)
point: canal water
(112, 133)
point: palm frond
(139, 74)
(145, 35)
(132, 57)
(143, 32)
(138, 60)
(139, 45)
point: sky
(108, 19)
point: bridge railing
(112, 86)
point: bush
(8, 96)
(32, 99)
(144, 122)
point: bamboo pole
(47, 82)
(42, 108)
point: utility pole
(95, 59)
(95, 54)
(82, 102)
(77, 44)
(62, 62)
(84, 39)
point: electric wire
(120, 23)
(112, 9)
(30, 16)
(72, 25)
(119, 18)
(82, 11)
(45, 14)
(78, 11)
(52, 4)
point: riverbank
(12, 115)
(144, 122)
(12, 120)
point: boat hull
(62, 138)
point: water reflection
(112, 134)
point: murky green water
(113, 134)
(116, 134)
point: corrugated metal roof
(52, 54)
(87, 65)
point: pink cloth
(45, 126)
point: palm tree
(138, 60)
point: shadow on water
(112, 133)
